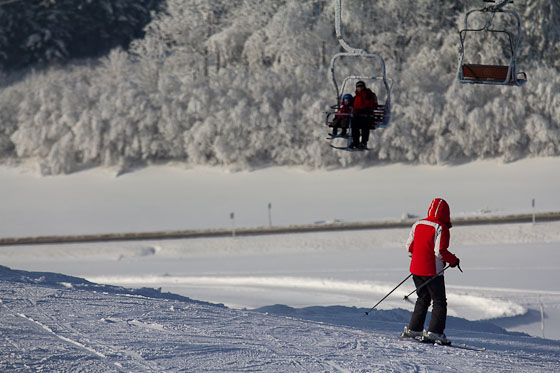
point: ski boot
(431, 337)
(407, 333)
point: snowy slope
(338, 268)
(54, 322)
(333, 268)
(321, 283)
(167, 197)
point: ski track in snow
(53, 327)
(62, 337)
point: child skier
(427, 245)
(343, 121)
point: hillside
(244, 85)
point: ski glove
(456, 264)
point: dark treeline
(36, 32)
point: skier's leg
(344, 126)
(436, 289)
(365, 131)
(335, 125)
(355, 131)
(422, 304)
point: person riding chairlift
(343, 121)
(365, 102)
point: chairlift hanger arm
(338, 29)
(488, 24)
(385, 116)
(494, 9)
(366, 55)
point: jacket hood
(439, 212)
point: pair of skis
(345, 148)
(462, 346)
(332, 137)
(348, 149)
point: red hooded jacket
(365, 101)
(429, 240)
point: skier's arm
(446, 255)
(410, 241)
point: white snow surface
(49, 326)
(55, 323)
(310, 290)
(166, 197)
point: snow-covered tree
(244, 84)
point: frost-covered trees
(244, 84)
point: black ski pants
(340, 123)
(360, 125)
(433, 291)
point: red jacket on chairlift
(429, 240)
(365, 101)
(343, 109)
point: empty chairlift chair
(495, 74)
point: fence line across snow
(255, 231)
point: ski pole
(430, 280)
(377, 304)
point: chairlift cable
(500, 5)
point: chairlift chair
(382, 114)
(492, 74)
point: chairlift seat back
(490, 74)
(496, 73)
(379, 117)
(487, 73)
